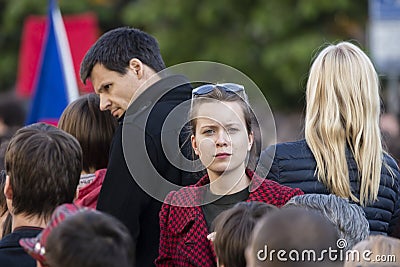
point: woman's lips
(222, 155)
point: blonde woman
(342, 152)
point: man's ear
(8, 192)
(137, 67)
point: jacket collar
(168, 88)
(193, 196)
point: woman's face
(221, 139)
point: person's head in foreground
(293, 237)
(43, 167)
(377, 250)
(232, 231)
(349, 219)
(118, 64)
(78, 236)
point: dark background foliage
(272, 42)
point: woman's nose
(222, 138)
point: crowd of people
(73, 198)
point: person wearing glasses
(119, 65)
(222, 138)
(342, 153)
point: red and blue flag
(55, 84)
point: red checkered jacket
(183, 240)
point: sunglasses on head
(227, 87)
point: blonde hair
(343, 108)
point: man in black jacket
(122, 66)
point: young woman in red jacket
(222, 138)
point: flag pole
(65, 51)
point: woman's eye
(107, 86)
(233, 130)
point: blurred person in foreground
(232, 231)
(78, 236)
(383, 251)
(293, 237)
(348, 218)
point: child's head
(349, 219)
(93, 128)
(43, 166)
(233, 229)
(221, 124)
(293, 237)
(374, 250)
(78, 236)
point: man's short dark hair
(44, 164)
(116, 48)
(90, 239)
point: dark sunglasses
(227, 87)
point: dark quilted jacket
(294, 166)
(184, 231)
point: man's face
(115, 90)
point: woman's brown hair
(93, 128)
